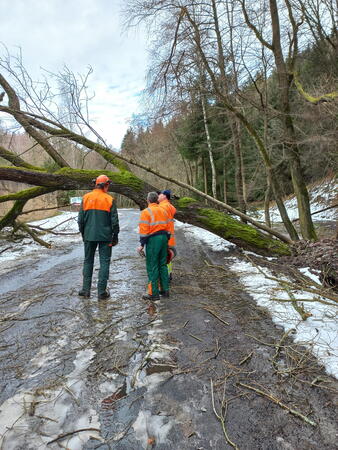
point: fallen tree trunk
(225, 226)
(129, 185)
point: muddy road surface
(204, 369)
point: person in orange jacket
(164, 200)
(154, 231)
(99, 225)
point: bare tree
(45, 128)
(193, 22)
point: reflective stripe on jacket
(171, 211)
(153, 220)
(98, 219)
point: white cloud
(79, 33)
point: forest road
(125, 374)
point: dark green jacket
(98, 219)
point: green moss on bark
(26, 194)
(184, 202)
(231, 229)
(122, 177)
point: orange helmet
(102, 180)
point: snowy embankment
(322, 196)
(319, 331)
(63, 225)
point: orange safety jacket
(171, 211)
(98, 219)
(153, 220)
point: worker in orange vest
(99, 225)
(164, 200)
(154, 231)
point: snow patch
(318, 332)
(216, 243)
(148, 426)
(321, 196)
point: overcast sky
(79, 33)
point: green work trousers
(105, 255)
(156, 261)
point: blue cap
(167, 193)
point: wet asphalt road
(124, 374)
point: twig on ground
(246, 358)
(70, 433)
(215, 266)
(195, 337)
(221, 417)
(299, 308)
(279, 403)
(210, 311)
(279, 345)
(5, 249)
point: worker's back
(153, 219)
(98, 216)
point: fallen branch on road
(210, 311)
(33, 235)
(279, 403)
(221, 417)
(70, 433)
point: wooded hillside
(229, 73)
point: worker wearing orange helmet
(164, 201)
(99, 225)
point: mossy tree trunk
(127, 184)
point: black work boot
(83, 293)
(164, 294)
(150, 297)
(105, 295)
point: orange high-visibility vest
(153, 219)
(171, 211)
(97, 199)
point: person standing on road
(99, 225)
(164, 201)
(154, 234)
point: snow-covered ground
(213, 241)
(64, 223)
(321, 196)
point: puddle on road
(38, 417)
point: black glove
(115, 240)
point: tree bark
(211, 156)
(239, 176)
(292, 150)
